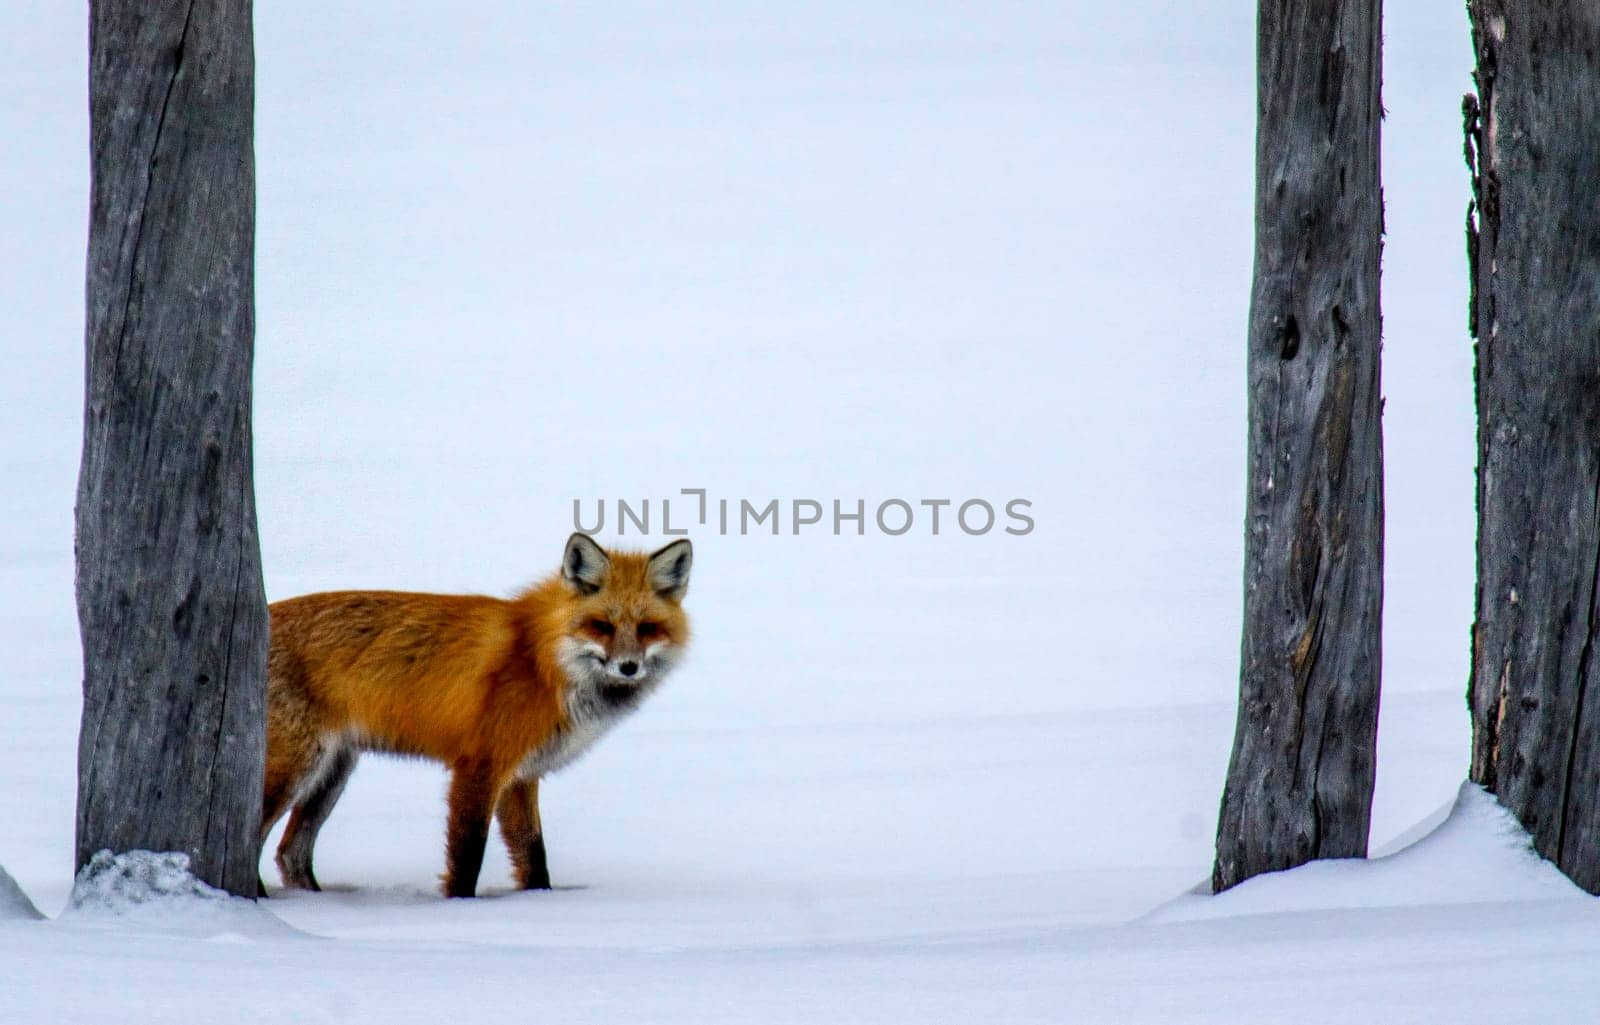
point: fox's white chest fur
(595, 701)
(585, 725)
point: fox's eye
(601, 627)
(648, 630)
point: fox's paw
(296, 871)
(453, 888)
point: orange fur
(490, 687)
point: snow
(1477, 853)
(119, 883)
(513, 255)
(14, 904)
(1344, 961)
(152, 891)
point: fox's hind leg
(518, 812)
(273, 800)
(311, 810)
(292, 755)
(288, 763)
(296, 743)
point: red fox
(501, 691)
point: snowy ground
(1425, 935)
(513, 255)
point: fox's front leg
(524, 835)
(472, 797)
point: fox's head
(625, 623)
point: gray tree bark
(170, 601)
(1533, 142)
(1300, 780)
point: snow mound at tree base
(157, 892)
(14, 904)
(1475, 852)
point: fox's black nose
(628, 668)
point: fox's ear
(669, 569)
(585, 564)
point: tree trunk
(170, 601)
(1300, 780)
(1533, 140)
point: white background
(512, 255)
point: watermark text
(892, 517)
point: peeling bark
(1300, 780)
(1533, 147)
(170, 600)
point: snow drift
(157, 892)
(1475, 851)
(14, 903)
